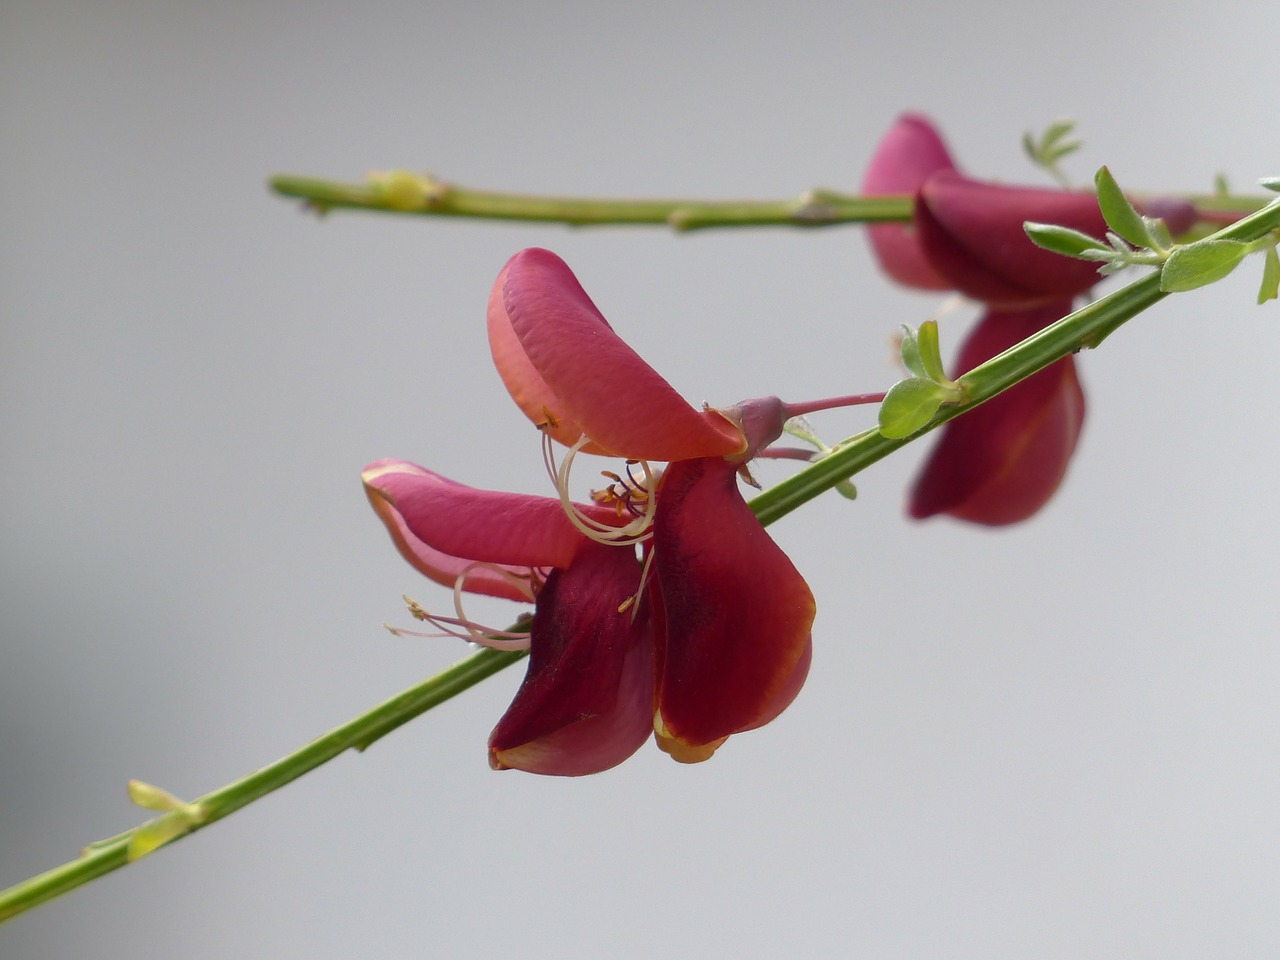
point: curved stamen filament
(632, 495)
(463, 628)
(494, 639)
(633, 602)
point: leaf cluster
(912, 403)
(1136, 239)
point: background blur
(1053, 741)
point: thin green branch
(400, 191)
(1085, 327)
(403, 192)
(107, 855)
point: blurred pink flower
(1003, 461)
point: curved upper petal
(1001, 462)
(462, 522)
(971, 232)
(906, 156)
(586, 703)
(732, 615)
(526, 386)
(575, 369)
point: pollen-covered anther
(416, 610)
(463, 628)
(627, 494)
(548, 421)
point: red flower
(705, 634)
(1003, 461)
(967, 234)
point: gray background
(1053, 741)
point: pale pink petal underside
(461, 521)
(442, 567)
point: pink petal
(463, 522)
(732, 616)
(522, 380)
(1178, 215)
(971, 232)
(586, 703)
(1001, 462)
(441, 567)
(908, 155)
(585, 376)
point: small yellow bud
(151, 797)
(404, 190)
(176, 818)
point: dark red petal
(732, 614)
(586, 703)
(907, 155)
(1001, 462)
(598, 381)
(971, 231)
(461, 521)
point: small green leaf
(1158, 231)
(909, 405)
(1056, 131)
(1063, 240)
(1066, 148)
(1201, 263)
(911, 352)
(1118, 211)
(930, 351)
(1270, 183)
(847, 490)
(1270, 288)
(1029, 146)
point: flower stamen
(632, 495)
(463, 628)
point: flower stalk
(404, 192)
(423, 195)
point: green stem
(107, 855)
(401, 192)
(1083, 328)
(404, 192)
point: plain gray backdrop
(1054, 741)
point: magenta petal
(906, 156)
(586, 703)
(442, 567)
(526, 386)
(596, 380)
(1178, 215)
(461, 521)
(1001, 462)
(971, 231)
(733, 637)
